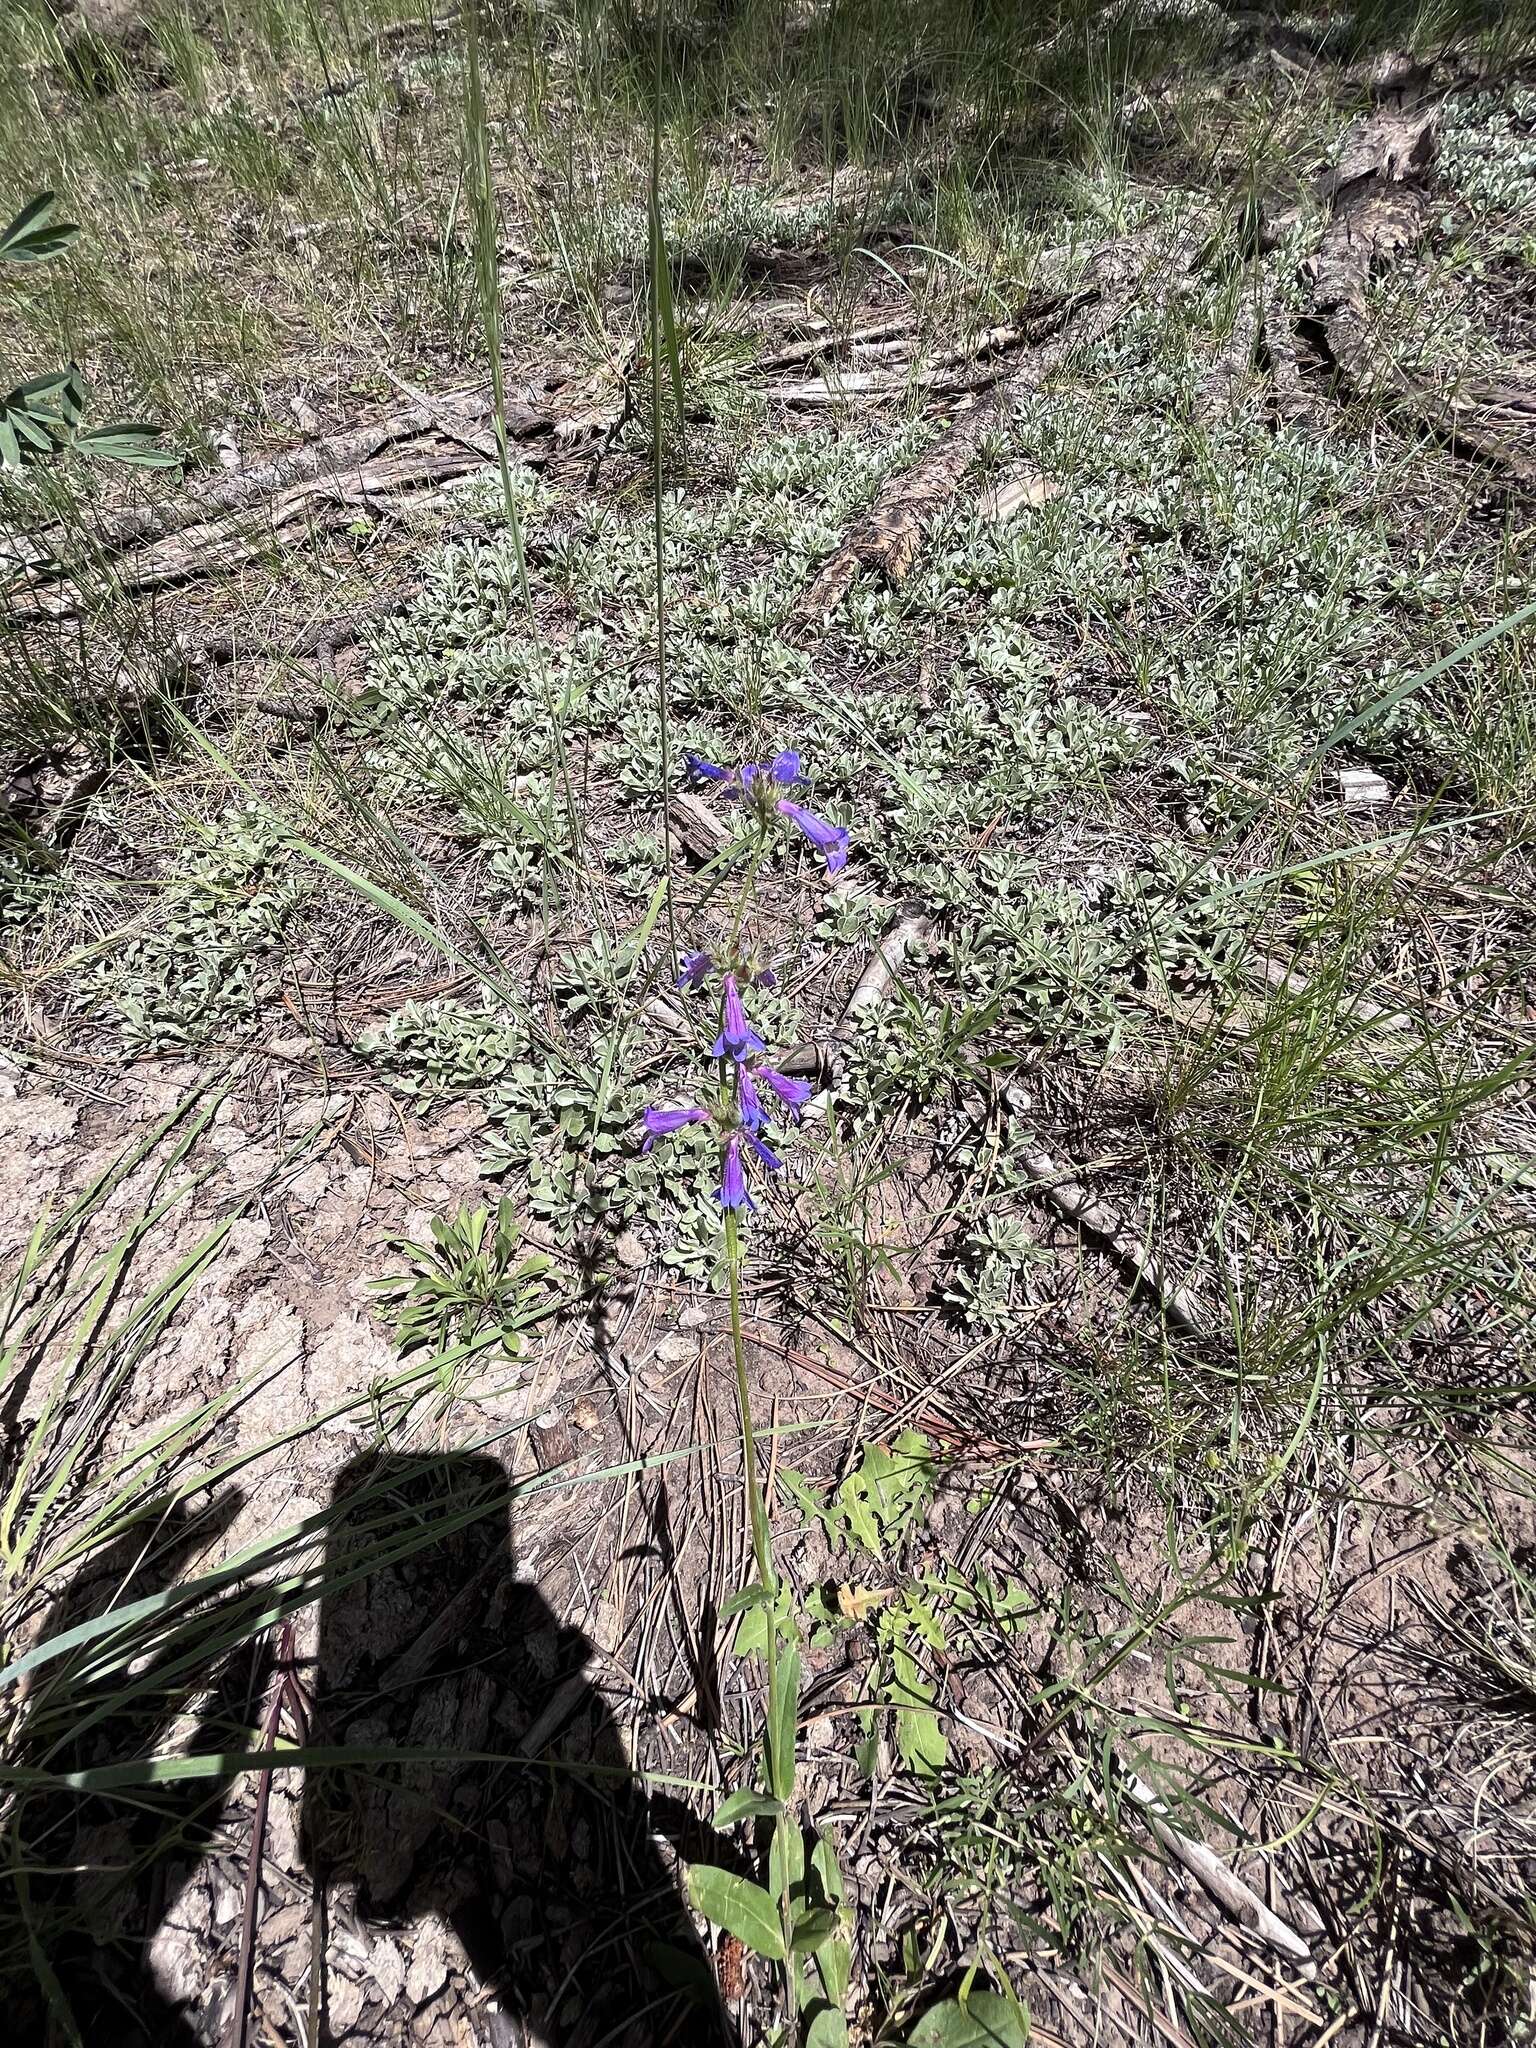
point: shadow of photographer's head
(517, 1818)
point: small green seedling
(467, 1283)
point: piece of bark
(313, 508)
(1394, 144)
(701, 830)
(1390, 75)
(553, 1444)
(1288, 396)
(1024, 488)
(1224, 384)
(888, 538)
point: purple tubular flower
(733, 1182)
(748, 1102)
(831, 840)
(737, 1038)
(708, 769)
(770, 1159)
(792, 1093)
(661, 1123)
(695, 967)
(785, 767)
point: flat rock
(1360, 786)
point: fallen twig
(908, 930)
(1219, 1879)
(1073, 1203)
(287, 1692)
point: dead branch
(1229, 1891)
(880, 335)
(888, 537)
(905, 934)
(320, 484)
(1380, 210)
(1073, 1203)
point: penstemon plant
(797, 1920)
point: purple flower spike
(792, 1093)
(831, 840)
(785, 767)
(733, 1182)
(749, 1103)
(770, 1159)
(708, 769)
(737, 1038)
(661, 1123)
(696, 967)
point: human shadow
(521, 1823)
(518, 1824)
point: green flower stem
(663, 705)
(762, 1550)
(748, 887)
(488, 283)
(762, 1542)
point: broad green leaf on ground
(739, 1906)
(877, 1505)
(825, 2026)
(744, 1805)
(985, 2020)
(752, 1629)
(920, 1740)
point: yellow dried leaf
(858, 1603)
